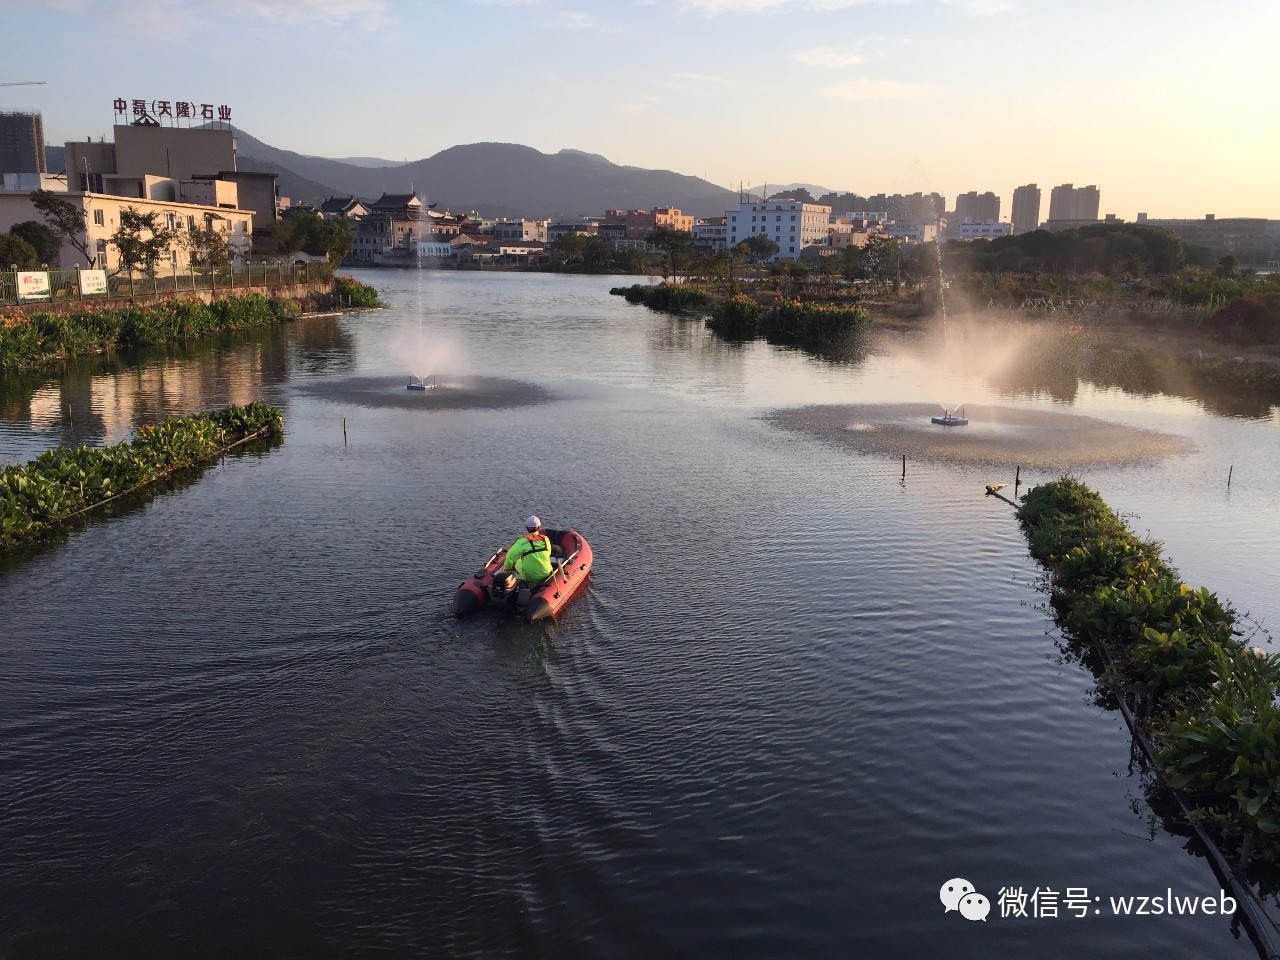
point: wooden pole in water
(904, 466)
(344, 430)
(1230, 470)
(1017, 478)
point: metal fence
(64, 285)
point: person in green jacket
(530, 556)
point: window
(171, 220)
(98, 218)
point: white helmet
(533, 523)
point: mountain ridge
(497, 179)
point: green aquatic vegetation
(671, 297)
(39, 498)
(801, 321)
(1209, 703)
(1092, 565)
(1226, 750)
(27, 339)
(737, 318)
(1121, 612)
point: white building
(711, 234)
(983, 229)
(912, 232)
(790, 224)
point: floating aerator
(949, 419)
(420, 383)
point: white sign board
(92, 281)
(33, 285)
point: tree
(332, 239)
(65, 218)
(675, 244)
(136, 250)
(45, 240)
(1227, 266)
(761, 247)
(206, 246)
(14, 251)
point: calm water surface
(800, 695)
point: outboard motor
(504, 583)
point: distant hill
(497, 179)
(366, 161)
(776, 189)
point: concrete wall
(181, 153)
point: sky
(1171, 108)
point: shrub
(737, 318)
(799, 321)
(671, 297)
(352, 291)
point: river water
(801, 694)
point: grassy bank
(31, 338)
(1205, 699)
(40, 499)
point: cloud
(370, 13)
(827, 57)
(641, 103)
(580, 20)
(762, 6)
(877, 90)
(688, 77)
(982, 8)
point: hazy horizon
(1166, 108)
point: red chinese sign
(173, 109)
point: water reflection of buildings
(104, 399)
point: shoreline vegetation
(42, 499)
(1203, 697)
(1210, 338)
(741, 317)
(30, 338)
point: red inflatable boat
(494, 584)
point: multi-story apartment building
(530, 230)
(1067, 202)
(391, 229)
(711, 234)
(21, 143)
(791, 224)
(1254, 241)
(1026, 208)
(977, 207)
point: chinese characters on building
(173, 109)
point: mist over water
(996, 436)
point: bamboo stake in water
(1230, 470)
(344, 430)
